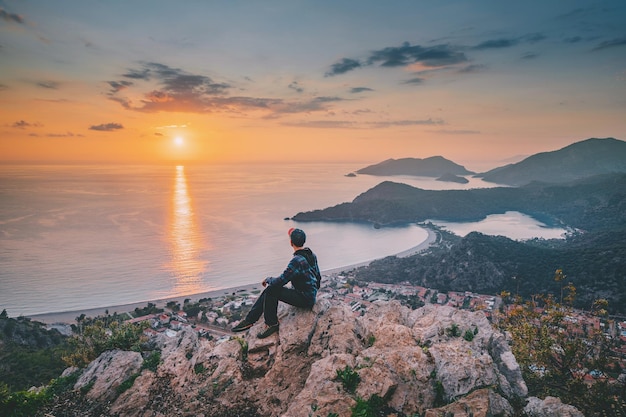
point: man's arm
(292, 269)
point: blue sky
(478, 82)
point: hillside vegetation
(594, 256)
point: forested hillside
(594, 263)
(596, 203)
(593, 257)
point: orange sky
(113, 83)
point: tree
(558, 348)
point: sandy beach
(69, 317)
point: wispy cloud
(497, 43)
(63, 135)
(406, 54)
(167, 89)
(346, 124)
(296, 87)
(458, 132)
(107, 127)
(357, 90)
(402, 56)
(22, 124)
(472, 68)
(11, 17)
(613, 43)
(51, 85)
(119, 85)
(343, 66)
(414, 81)
(500, 43)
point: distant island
(435, 166)
(453, 178)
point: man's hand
(264, 282)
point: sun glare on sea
(179, 141)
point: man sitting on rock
(304, 275)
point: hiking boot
(269, 330)
(242, 326)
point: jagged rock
(550, 407)
(481, 403)
(409, 358)
(108, 372)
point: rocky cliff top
(326, 362)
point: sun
(179, 141)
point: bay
(79, 237)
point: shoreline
(69, 317)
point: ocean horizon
(82, 237)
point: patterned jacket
(303, 273)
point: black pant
(267, 303)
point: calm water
(76, 237)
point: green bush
(349, 379)
(453, 330)
(152, 361)
(369, 408)
(27, 403)
(469, 335)
(93, 339)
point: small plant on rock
(349, 379)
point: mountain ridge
(582, 159)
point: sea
(76, 237)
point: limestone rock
(550, 407)
(409, 358)
(108, 372)
(481, 403)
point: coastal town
(213, 318)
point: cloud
(52, 85)
(530, 55)
(403, 55)
(414, 81)
(458, 132)
(497, 43)
(166, 89)
(119, 85)
(296, 87)
(356, 90)
(107, 127)
(64, 135)
(343, 66)
(22, 124)
(611, 44)
(472, 68)
(406, 54)
(323, 124)
(345, 124)
(11, 17)
(531, 38)
(574, 39)
(176, 81)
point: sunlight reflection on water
(185, 238)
